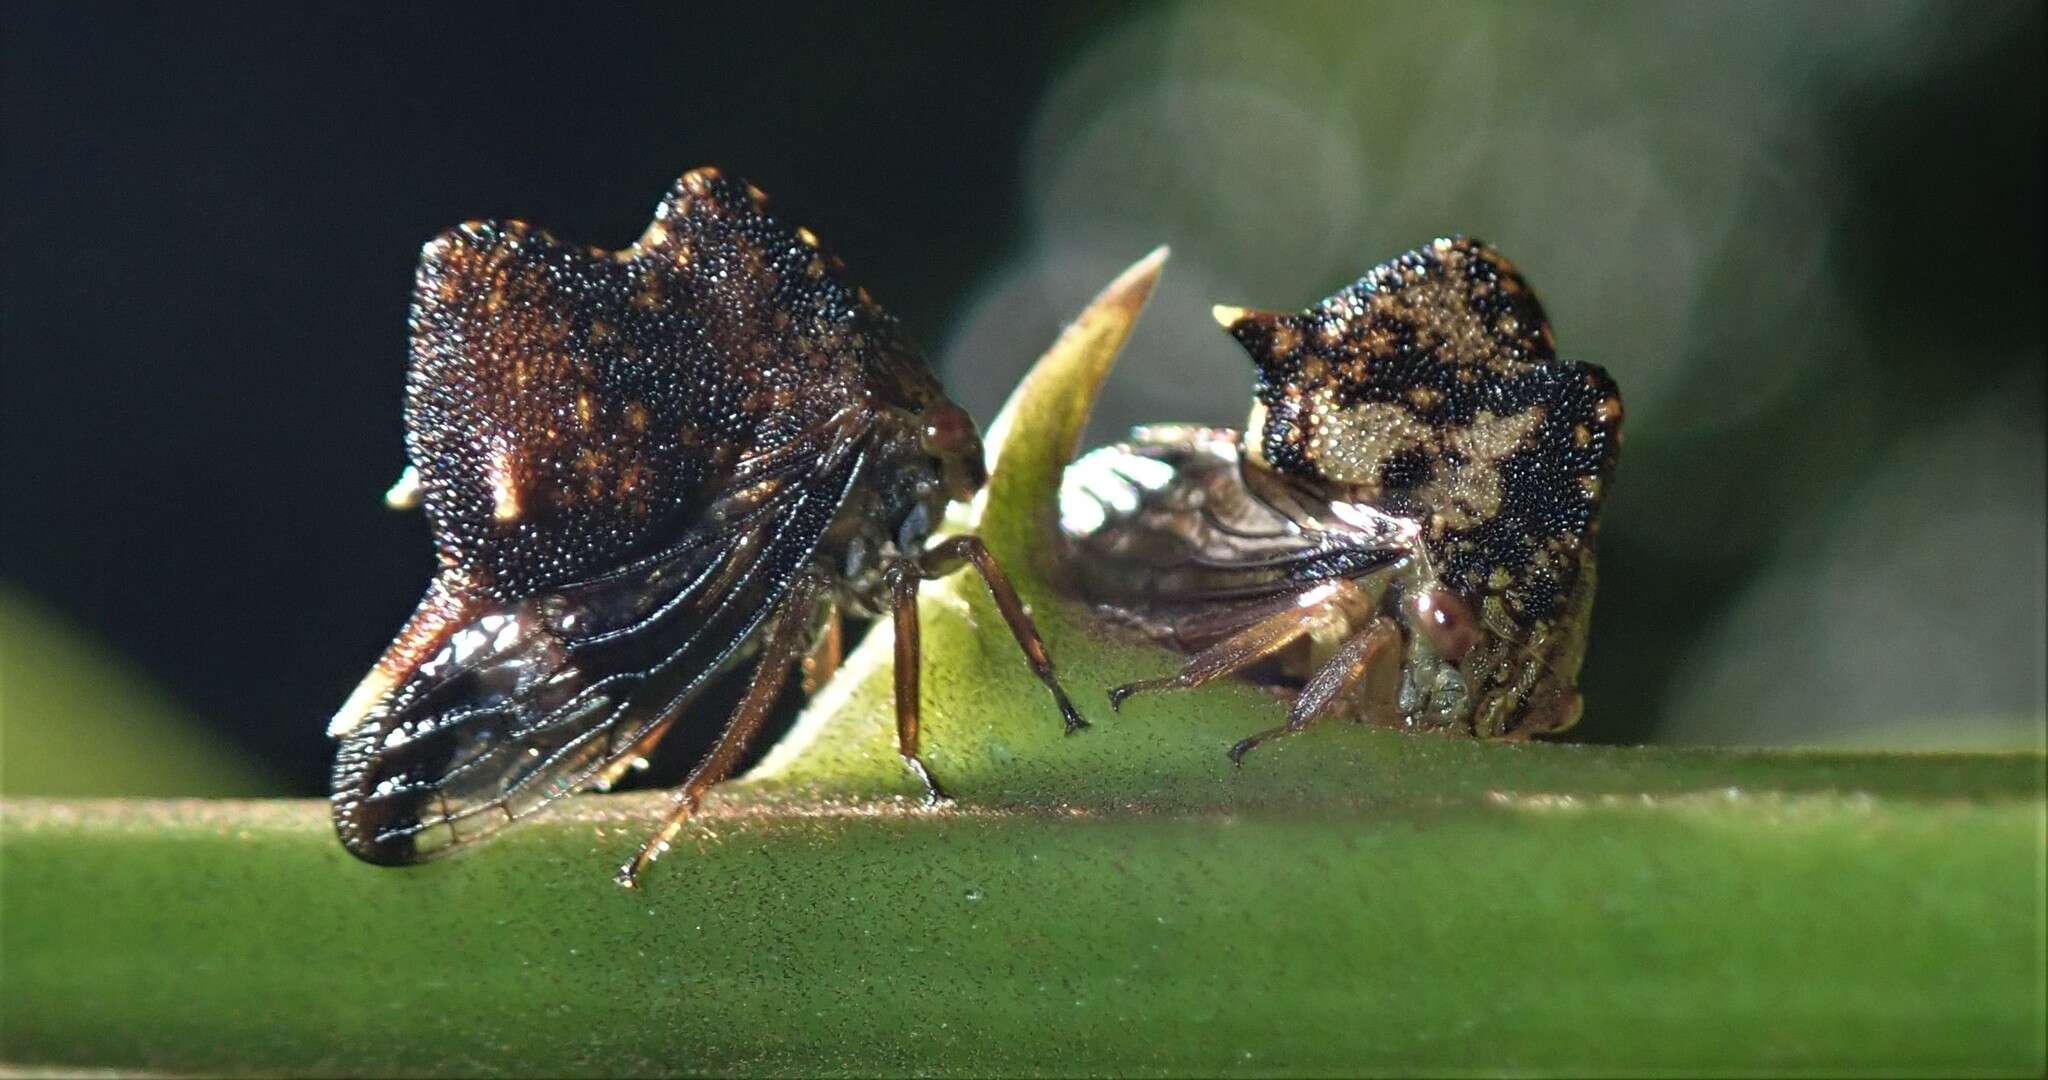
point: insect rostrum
(1406, 525)
(643, 468)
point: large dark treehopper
(643, 468)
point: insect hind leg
(785, 646)
(1351, 665)
(1249, 645)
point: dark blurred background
(1806, 240)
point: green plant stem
(1821, 933)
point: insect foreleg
(787, 638)
(903, 579)
(1250, 645)
(948, 556)
(1352, 662)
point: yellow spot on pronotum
(809, 238)
(1255, 435)
(504, 485)
(368, 693)
(405, 493)
(1226, 316)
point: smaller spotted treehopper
(1405, 528)
(643, 468)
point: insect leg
(1248, 646)
(948, 556)
(823, 659)
(632, 758)
(903, 579)
(785, 644)
(1351, 663)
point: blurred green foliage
(77, 721)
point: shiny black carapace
(643, 468)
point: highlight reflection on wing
(530, 700)
(1170, 523)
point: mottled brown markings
(628, 459)
(1350, 444)
(1466, 488)
(1430, 390)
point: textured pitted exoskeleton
(1406, 523)
(643, 468)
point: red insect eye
(1446, 622)
(947, 429)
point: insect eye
(1446, 621)
(948, 430)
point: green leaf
(76, 721)
(1116, 901)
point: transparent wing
(1170, 529)
(516, 704)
